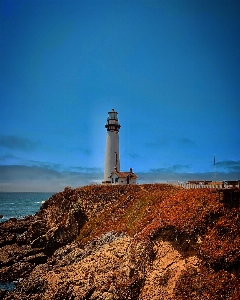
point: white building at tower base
(118, 177)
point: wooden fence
(199, 186)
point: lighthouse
(112, 160)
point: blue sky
(171, 69)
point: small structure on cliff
(112, 174)
(118, 177)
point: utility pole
(214, 164)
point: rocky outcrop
(11, 229)
(124, 242)
(102, 269)
(28, 242)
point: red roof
(124, 174)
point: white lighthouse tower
(112, 161)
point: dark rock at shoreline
(12, 228)
(28, 242)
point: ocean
(19, 205)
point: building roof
(199, 181)
(123, 174)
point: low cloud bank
(184, 177)
(21, 178)
(46, 178)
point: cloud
(166, 142)
(9, 159)
(160, 142)
(186, 142)
(42, 164)
(15, 172)
(17, 143)
(180, 172)
(162, 175)
(174, 168)
(133, 155)
(48, 177)
(84, 151)
(8, 156)
(230, 165)
(45, 178)
(86, 170)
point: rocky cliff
(141, 242)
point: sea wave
(19, 205)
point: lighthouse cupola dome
(112, 121)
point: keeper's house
(117, 177)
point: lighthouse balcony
(112, 127)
